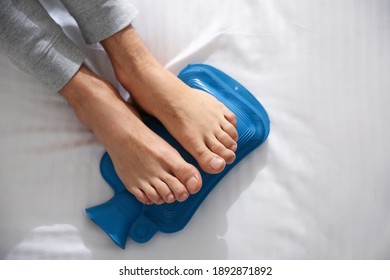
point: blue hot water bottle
(123, 215)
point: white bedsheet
(319, 188)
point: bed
(318, 188)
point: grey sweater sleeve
(99, 19)
(36, 44)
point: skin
(148, 166)
(200, 123)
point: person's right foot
(151, 169)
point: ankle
(129, 55)
(83, 91)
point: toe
(209, 162)
(218, 148)
(230, 129)
(164, 191)
(140, 195)
(226, 140)
(217, 164)
(189, 176)
(179, 190)
(230, 117)
(151, 193)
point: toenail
(217, 163)
(183, 196)
(192, 183)
(170, 198)
(234, 147)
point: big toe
(190, 177)
(216, 163)
(210, 162)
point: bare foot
(152, 170)
(201, 124)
